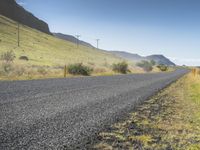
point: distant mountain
(12, 10)
(72, 39)
(159, 59)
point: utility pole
(97, 43)
(18, 36)
(77, 41)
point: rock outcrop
(12, 10)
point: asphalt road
(68, 113)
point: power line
(77, 41)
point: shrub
(145, 65)
(162, 67)
(8, 56)
(79, 69)
(121, 67)
(23, 58)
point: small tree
(121, 67)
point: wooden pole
(65, 71)
(18, 38)
(194, 72)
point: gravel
(69, 113)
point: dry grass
(46, 51)
(169, 120)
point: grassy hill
(43, 49)
(46, 51)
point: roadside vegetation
(169, 120)
(162, 67)
(121, 67)
(79, 69)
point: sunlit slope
(45, 50)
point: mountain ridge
(72, 39)
(158, 58)
(12, 10)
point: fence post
(195, 72)
(65, 71)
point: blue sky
(168, 27)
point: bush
(145, 65)
(8, 56)
(23, 58)
(162, 67)
(121, 67)
(79, 69)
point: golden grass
(169, 120)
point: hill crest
(72, 39)
(159, 59)
(12, 10)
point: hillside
(159, 59)
(11, 9)
(46, 50)
(72, 39)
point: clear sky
(168, 27)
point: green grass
(169, 120)
(45, 50)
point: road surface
(68, 113)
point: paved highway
(68, 113)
